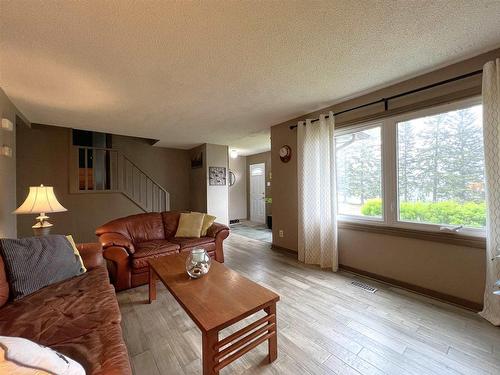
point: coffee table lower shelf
(217, 354)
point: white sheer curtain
(491, 134)
(317, 231)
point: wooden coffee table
(217, 300)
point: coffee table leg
(152, 285)
(209, 341)
(272, 343)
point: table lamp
(41, 200)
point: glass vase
(198, 263)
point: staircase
(107, 170)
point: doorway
(258, 193)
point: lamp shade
(41, 199)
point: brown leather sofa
(78, 317)
(129, 242)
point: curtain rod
(386, 100)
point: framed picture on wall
(217, 176)
(197, 160)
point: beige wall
(454, 270)
(218, 196)
(167, 166)
(284, 188)
(457, 271)
(43, 157)
(263, 157)
(8, 222)
(238, 192)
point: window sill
(449, 238)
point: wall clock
(232, 178)
(285, 153)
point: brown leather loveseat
(129, 242)
(78, 317)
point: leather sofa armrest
(91, 254)
(117, 258)
(220, 232)
(217, 228)
(116, 239)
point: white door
(258, 193)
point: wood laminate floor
(326, 326)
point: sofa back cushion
(139, 228)
(35, 262)
(170, 223)
(4, 284)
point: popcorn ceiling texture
(221, 72)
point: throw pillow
(190, 225)
(75, 250)
(40, 359)
(208, 220)
(35, 262)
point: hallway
(256, 231)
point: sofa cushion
(100, 352)
(78, 317)
(4, 284)
(64, 310)
(191, 242)
(170, 223)
(139, 228)
(152, 249)
(35, 262)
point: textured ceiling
(221, 72)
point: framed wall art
(217, 176)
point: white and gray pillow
(35, 262)
(29, 354)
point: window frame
(356, 129)
(390, 165)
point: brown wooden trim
(283, 249)
(449, 238)
(471, 305)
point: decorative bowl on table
(198, 263)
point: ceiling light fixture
(234, 154)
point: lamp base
(42, 231)
(42, 227)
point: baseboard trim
(470, 305)
(283, 249)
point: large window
(423, 170)
(441, 169)
(359, 172)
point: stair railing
(107, 170)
